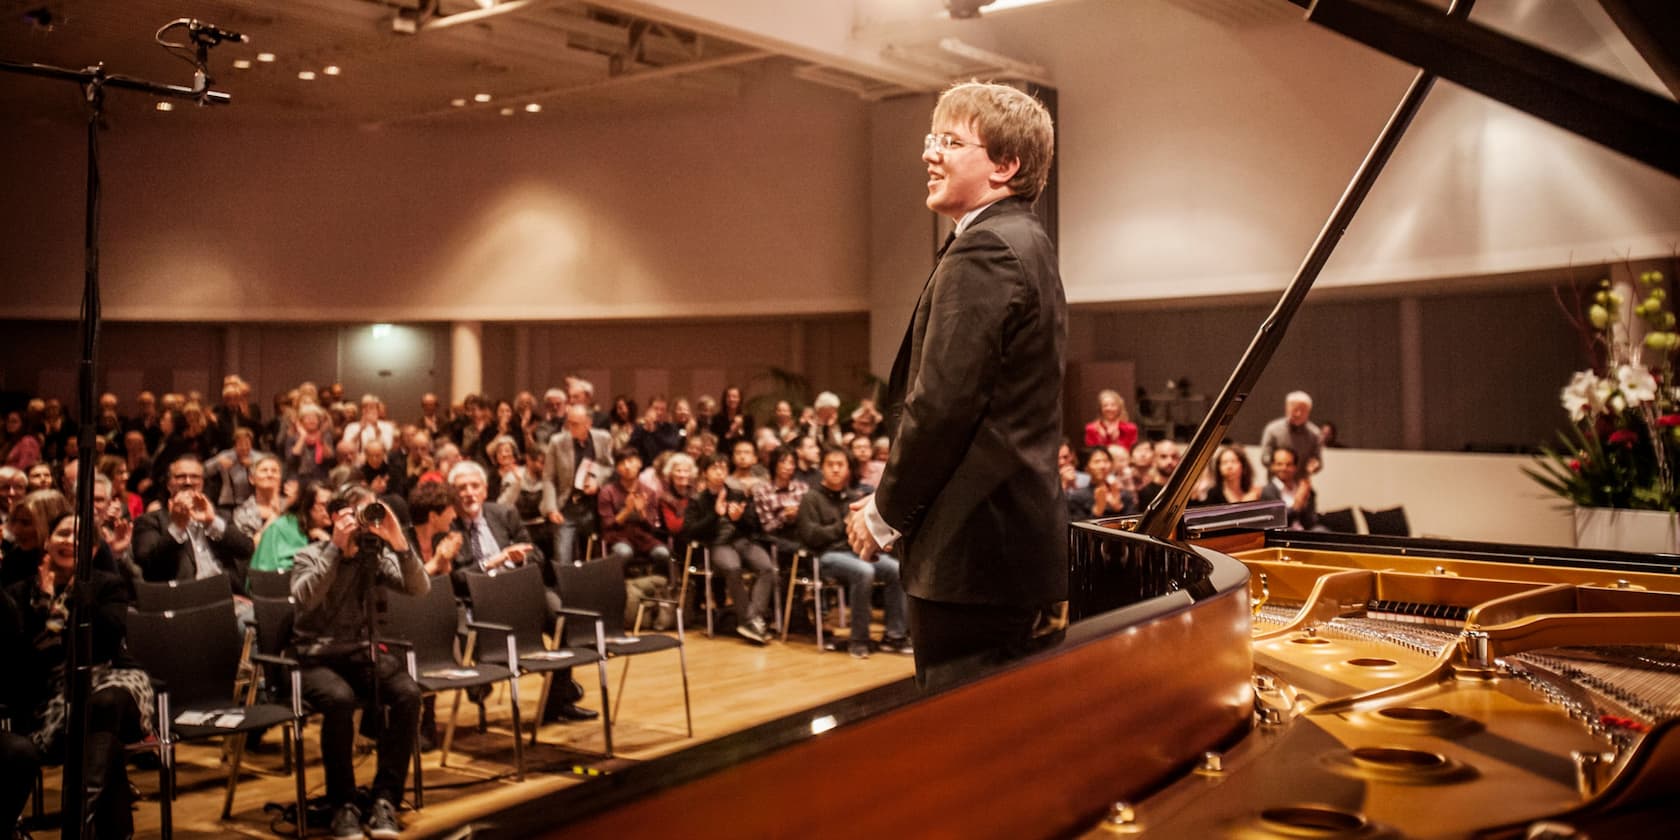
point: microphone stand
(78, 666)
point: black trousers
(19, 760)
(336, 688)
(113, 720)
(956, 641)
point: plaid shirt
(769, 502)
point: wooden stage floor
(733, 685)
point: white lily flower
(1637, 384)
(1583, 396)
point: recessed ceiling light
(242, 64)
(458, 102)
(266, 58)
(481, 97)
(330, 69)
(533, 108)
(507, 112)
(165, 106)
(307, 75)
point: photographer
(331, 580)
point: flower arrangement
(1622, 449)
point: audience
(187, 539)
(1113, 426)
(821, 523)
(305, 520)
(1291, 485)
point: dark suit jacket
(161, 558)
(505, 527)
(975, 396)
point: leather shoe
(570, 712)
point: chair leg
(793, 582)
(302, 788)
(518, 731)
(419, 777)
(36, 808)
(449, 729)
(623, 676)
(236, 758)
(286, 748)
(606, 719)
(542, 703)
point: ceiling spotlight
(307, 75)
(165, 106)
(330, 70)
(242, 64)
(533, 108)
(458, 102)
(507, 112)
(481, 97)
(266, 58)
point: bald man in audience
(1296, 431)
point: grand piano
(1218, 677)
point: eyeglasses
(944, 143)
(187, 478)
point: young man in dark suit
(970, 500)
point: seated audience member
(745, 470)
(56, 432)
(304, 520)
(809, 467)
(732, 422)
(1067, 465)
(621, 421)
(433, 507)
(1103, 496)
(1294, 488)
(630, 527)
(138, 458)
(444, 461)
(785, 424)
(266, 500)
(145, 420)
(502, 453)
(40, 477)
(370, 425)
(655, 433)
(475, 427)
(19, 447)
(431, 420)
(721, 519)
(524, 491)
(1113, 425)
(866, 420)
(187, 539)
(1327, 435)
(525, 418)
(1143, 462)
(33, 617)
(189, 434)
(329, 635)
(14, 485)
(883, 449)
(776, 500)
(678, 479)
(377, 472)
(491, 534)
(115, 467)
(417, 460)
(705, 412)
(571, 479)
(308, 447)
(493, 537)
(704, 443)
(822, 528)
(1235, 477)
(116, 532)
(227, 476)
(683, 420)
(869, 470)
(1167, 454)
(27, 532)
(825, 423)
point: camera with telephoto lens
(370, 516)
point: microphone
(214, 33)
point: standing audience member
(822, 518)
(1113, 426)
(1295, 430)
(370, 426)
(19, 448)
(866, 419)
(732, 422)
(227, 476)
(571, 478)
(869, 470)
(524, 491)
(1291, 485)
(308, 447)
(809, 468)
(784, 423)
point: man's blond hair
(1011, 124)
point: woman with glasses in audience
(35, 615)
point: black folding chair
(598, 588)
(266, 584)
(1340, 521)
(510, 604)
(153, 597)
(425, 625)
(194, 655)
(1389, 522)
(273, 631)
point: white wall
(749, 206)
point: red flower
(1623, 437)
(1668, 421)
(1575, 464)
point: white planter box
(1616, 529)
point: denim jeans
(859, 576)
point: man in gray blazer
(568, 502)
(970, 493)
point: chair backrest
(195, 652)
(514, 598)
(1389, 522)
(1340, 520)
(597, 585)
(427, 622)
(274, 623)
(152, 597)
(270, 584)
